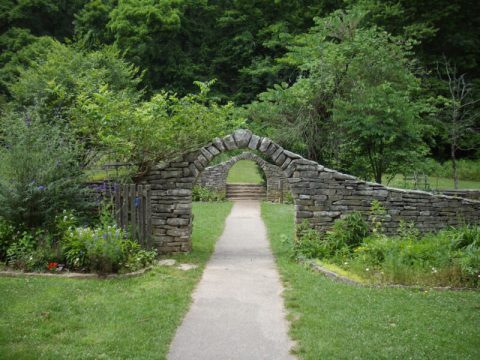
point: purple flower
(104, 236)
(41, 187)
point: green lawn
(136, 318)
(331, 320)
(435, 183)
(246, 172)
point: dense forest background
(366, 86)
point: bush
(339, 242)
(40, 175)
(200, 193)
(450, 257)
(7, 233)
(308, 243)
(32, 251)
(103, 249)
(466, 169)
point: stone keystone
(242, 137)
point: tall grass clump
(450, 257)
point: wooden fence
(133, 211)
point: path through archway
(320, 195)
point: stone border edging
(343, 279)
(73, 275)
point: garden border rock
(73, 275)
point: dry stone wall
(215, 177)
(467, 194)
(321, 195)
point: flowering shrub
(103, 249)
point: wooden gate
(133, 211)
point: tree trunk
(454, 166)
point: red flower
(52, 265)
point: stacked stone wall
(215, 177)
(321, 195)
(467, 194)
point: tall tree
(355, 103)
(459, 115)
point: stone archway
(215, 177)
(320, 195)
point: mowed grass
(435, 183)
(136, 318)
(244, 172)
(331, 320)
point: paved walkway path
(237, 310)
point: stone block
(242, 137)
(277, 153)
(206, 154)
(213, 150)
(199, 165)
(265, 144)
(218, 143)
(291, 155)
(254, 142)
(229, 142)
(178, 221)
(280, 160)
(271, 149)
(203, 160)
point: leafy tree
(357, 94)
(55, 83)
(94, 94)
(158, 129)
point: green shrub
(308, 242)
(32, 251)
(103, 249)
(288, 198)
(200, 193)
(338, 243)
(40, 175)
(466, 170)
(20, 253)
(449, 257)
(349, 231)
(7, 234)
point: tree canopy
(328, 78)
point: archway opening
(246, 172)
(246, 181)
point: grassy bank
(244, 172)
(336, 321)
(136, 318)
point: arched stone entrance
(215, 177)
(320, 195)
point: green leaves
(355, 106)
